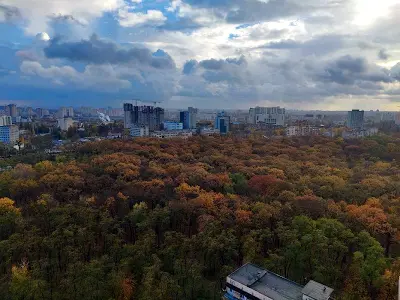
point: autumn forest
(168, 220)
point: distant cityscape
(19, 124)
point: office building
(5, 120)
(169, 125)
(274, 116)
(255, 283)
(65, 123)
(222, 123)
(150, 116)
(139, 130)
(9, 134)
(189, 118)
(12, 110)
(355, 119)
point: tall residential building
(189, 118)
(29, 111)
(65, 123)
(9, 134)
(222, 122)
(70, 112)
(41, 112)
(151, 116)
(355, 119)
(12, 110)
(274, 116)
(5, 120)
(397, 118)
(253, 282)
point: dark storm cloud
(97, 51)
(218, 64)
(10, 13)
(320, 45)
(382, 54)
(347, 70)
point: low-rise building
(139, 130)
(169, 125)
(9, 134)
(255, 283)
(208, 131)
(184, 134)
(305, 130)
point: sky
(299, 54)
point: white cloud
(39, 13)
(101, 77)
(131, 19)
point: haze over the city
(301, 54)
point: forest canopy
(169, 219)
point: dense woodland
(165, 220)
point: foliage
(156, 219)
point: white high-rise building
(267, 115)
(65, 123)
(5, 120)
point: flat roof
(267, 283)
(317, 290)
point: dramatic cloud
(97, 51)
(9, 13)
(39, 13)
(224, 53)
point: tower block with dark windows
(144, 115)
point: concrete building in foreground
(254, 283)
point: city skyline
(207, 54)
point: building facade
(12, 110)
(302, 130)
(150, 116)
(169, 125)
(255, 283)
(9, 134)
(65, 123)
(183, 134)
(222, 123)
(274, 116)
(139, 131)
(355, 119)
(5, 120)
(189, 118)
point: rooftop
(267, 283)
(317, 290)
